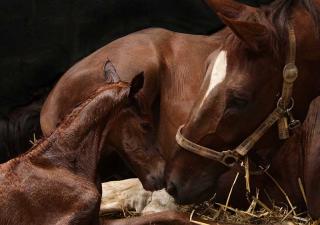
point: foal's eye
(238, 103)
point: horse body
(254, 52)
(173, 64)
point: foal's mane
(44, 142)
(117, 98)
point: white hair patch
(218, 72)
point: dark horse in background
(239, 93)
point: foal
(56, 182)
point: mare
(56, 181)
(241, 90)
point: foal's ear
(229, 8)
(253, 34)
(136, 85)
(110, 73)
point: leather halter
(284, 106)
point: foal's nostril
(172, 189)
(156, 182)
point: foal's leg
(311, 139)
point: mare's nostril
(172, 189)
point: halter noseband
(280, 114)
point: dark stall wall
(41, 39)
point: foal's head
(242, 87)
(132, 135)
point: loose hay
(216, 212)
(257, 213)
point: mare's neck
(306, 87)
(298, 159)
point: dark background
(41, 39)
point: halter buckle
(290, 73)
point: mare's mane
(280, 11)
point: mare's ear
(136, 85)
(110, 73)
(230, 8)
(252, 33)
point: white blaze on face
(218, 72)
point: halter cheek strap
(279, 114)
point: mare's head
(132, 134)
(242, 87)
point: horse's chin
(196, 198)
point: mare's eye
(238, 103)
(146, 126)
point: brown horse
(242, 89)
(173, 64)
(172, 81)
(56, 182)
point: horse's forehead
(218, 72)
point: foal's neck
(77, 143)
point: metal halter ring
(229, 158)
(287, 109)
